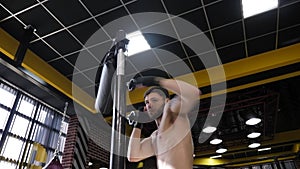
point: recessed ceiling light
(264, 149)
(253, 121)
(254, 145)
(137, 43)
(215, 141)
(217, 156)
(221, 150)
(253, 135)
(209, 129)
(254, 7)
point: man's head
(155, 99)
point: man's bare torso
(173, 145)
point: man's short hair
(159, 90)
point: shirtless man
(172, 142)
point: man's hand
(143, 81)
(135, 118)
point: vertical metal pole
(118, 131)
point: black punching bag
(104, 100)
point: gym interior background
(41, 42)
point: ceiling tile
(286, 2)
(289, 15)
(289, 36)
(232, 53)
(90, 90)
(155, 40)
(43, 51)
(59, 40)
(198, 44)
(165, 56)
(179, 68)
(42, 27)
(111, 16)
(144, 60)
(164, 29)
(197, 63)
(100, 50)
(62, 66)
(218, 13)
(117, 20)
(86, 61)
(210, 59)
(98, 7)
(175, 48)
(145, 6)
(91, 74)
(75, 11)
(85, 30)
(261, 44)
(72, 58)
(207, 2)
(81, 81)
(188, 50)
(15, 6)
(178, 7)
(261, 24)
(129, 69)
(4, 14)
(188, 24)
(229, 34)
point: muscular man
(172, 142)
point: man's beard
(158, 113)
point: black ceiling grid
(73, 36)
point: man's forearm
(184, 90)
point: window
(30, 120)
(3, 117)
(20, 126)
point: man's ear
(166, 100)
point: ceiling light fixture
(253, 134)
(254, 7)
(215, 141)
(217, 156)
(264, 149)
(209, 129)
(221, 149)
(254, 145)
(137, 43)
(253, 121)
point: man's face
(154, 104)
